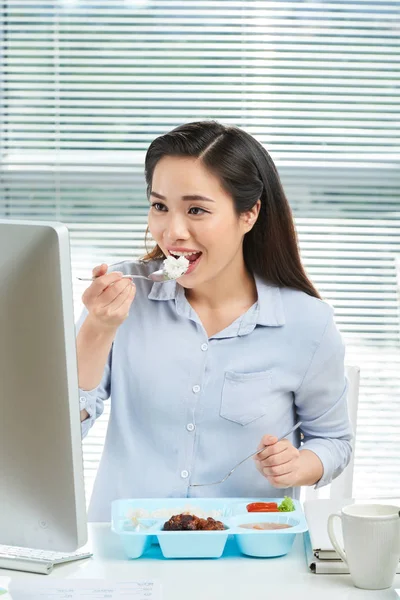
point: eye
(159, 207)
(196, 210)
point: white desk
(229, 578)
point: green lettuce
(287, 505)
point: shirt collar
(163, 291)
(270, 305)
(268, 311)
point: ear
(250, 217)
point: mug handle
(333, 538)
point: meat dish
(185, 522)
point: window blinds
(86, 85)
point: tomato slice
(262, 507)
(264, 510)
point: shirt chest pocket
(245, 396)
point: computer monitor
(42, 498)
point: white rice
(167, 513)
(175, 267)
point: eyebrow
(188, 197)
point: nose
(176, 228)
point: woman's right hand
(108, 298)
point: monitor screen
(42, 499)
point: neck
(233, 285)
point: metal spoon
(247, 457)
(158, 276)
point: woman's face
(192, 214)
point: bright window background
(86, 85)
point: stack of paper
(76, 589)
(320, 554)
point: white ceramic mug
(371, 535)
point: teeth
(183, 253)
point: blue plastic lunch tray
(139, 524)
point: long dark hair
(247, 173)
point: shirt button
(204, 347)
(196, 389)
(184, 474)
(82, 400)
(190, 427)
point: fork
(247, 457)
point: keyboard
(35, 561)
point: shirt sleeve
(321, 403)
(93, 400)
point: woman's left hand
(279, 462)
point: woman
(230, 356)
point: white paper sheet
(84, 589)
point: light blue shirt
(186, 408)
